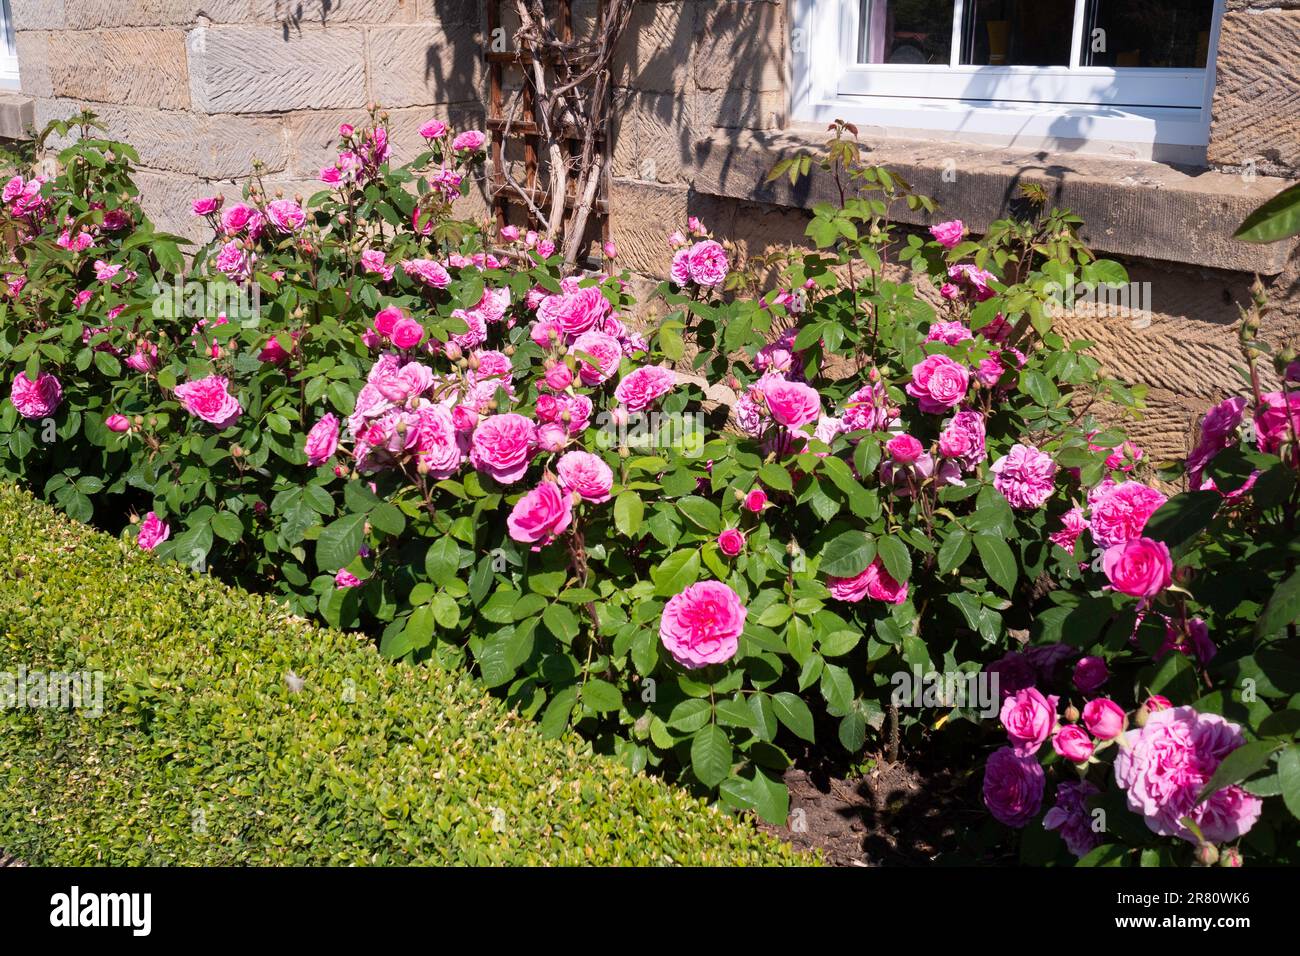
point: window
(8, 49)
(1078, 71)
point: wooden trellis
(531, 199)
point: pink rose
(576, 311)
(431, 273)
(1073, 524)
(1024, 476)
(286, 215)
(949, 333)
(1140, 567)
(962, 439)
(1013, 787)
(541, 515)
(235, 261)
(702, 625)
(948, 234)
(1073, 743)
(707, 263)
(153, 532)
(756, 500)
(558, 377)
(874, 582)
(1090, 673)
(586, 474)
(241, 216)
(502, 446)
(209, 399)
(1165, 764)
(1104, 718)
(1120, 511)
(938, 383)
(792, 404)
(407, 333)
(904, 449)
(731, 542)
(470, 139)
(346, 579)
(207, 206)
(1156, 703)
(604, 348)
(680, 270)
(1271, 420)
(322, 441)
(117, 423)
(434, 129)
(641, 387)
(1072, 817)
(1029, 719)
(37, 399)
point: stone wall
(201, 87)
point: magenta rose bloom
(503, 446)
(792, 404)
(938, 383)
(1120, 511)
(1140, 567)
(962, 439)
(407, 333)
(1164, 765)
(322, 441)
(1013, 787)
(874, 582)
(470, 139)
(346, 579)
(540, 515)
(1029, 719)
(153, 532)
(1072, 818)
(702, 625)
(1104, 718)
(36, 399)
(207, 205)
(286, 215)
(1073, 743)
(602, 347)
(1271, 420)
(904, 449)
(1073, 524)
(707, 262)
(586, 474)
(756, 500)
(1090, 673)
(948, 234)
(731, 542)
(1024, 476)
(117, 423)
(643, 386)
(574, 312)
(209, 399)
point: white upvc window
(1133, 72)
(8, 50)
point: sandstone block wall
(202, 87)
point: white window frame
(1136, 109)
(8, 50)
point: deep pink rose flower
(346, 579)
(792, 404)
(434, 129)
(680, 271)
(1013, 787)
(702, 625)
(286, 215)
(586, 474)
(241, 216)
(1029, 719)
(756, 500)
(1196, 641)
(541, 515)
(1090, 673)
(949, 333)
(1072, 817)
(407, 333)
(604, 348)
(731, 542)
(938, 383)
(207, 205)
(1164, 765)
(962, 439)
(1120, 511)
(431, 273)
(1271, 420)
(948, 234)
(708, 263)
(209, 399)
(503, 446)
(153, 532)
(1104, 718)
(1156, 703)
(470, 139)
(1073, 524)
(322, 441)
(904, 449)
(641, 387)
(117, 423)
(1073, 743)
(37, 399)
(1024, 476)
(558, 377)
(874, 582)
(1140, 567)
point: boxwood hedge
(234, 733)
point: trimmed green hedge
(205, 755)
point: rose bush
(408, 424)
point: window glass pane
(1017, 32)
(1153, 33)
(906, 31)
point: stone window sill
(1129, 207)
